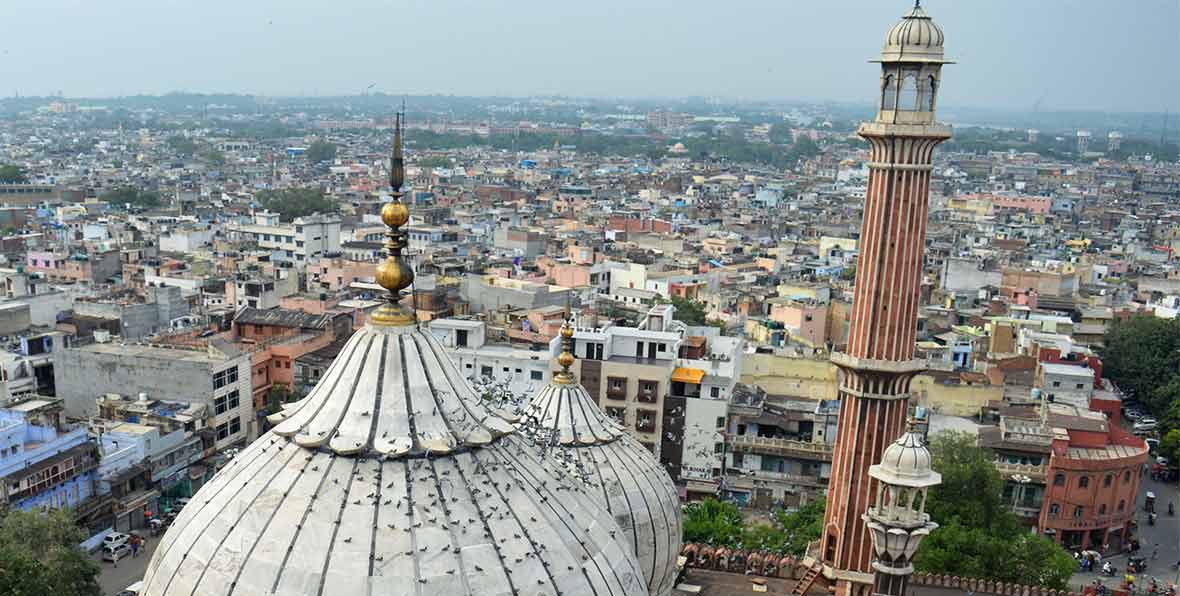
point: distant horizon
(1010, 54)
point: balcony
(782, 447)
(1036, 473)
(748, 479)
(1089, 522)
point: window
(714, 392)
(1127, 476)
(889, 94)
(235, 426)
(1084, 482)
(663, 348)
(1102, 509)
(518, 371)
(486, 371)
(1122, 505)
(536, 375)
(228, 376)
(222, 431)
(225, 403)
(1078, 512)
(718, 448)
(1056, 383)
(931, 91)
(908, 98)
(721, 422)
(1054, 510)
(1107, 480)
(1081, 386)
(1059, 480)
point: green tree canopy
(39, 554)
(688, 311)
(182, 145)
(977, 535)
(1142, 355)
(292, 203)
(1170, 446)
(713, 522)
(213, 156)
(320, 151)
(143, 199)
(11, 174)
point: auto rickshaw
(1149, 502)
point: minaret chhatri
(878, 363)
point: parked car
(1153, 445)
(115, 539)
(132, 590)
(1146, 424)
(114, 553)
(1133, 415)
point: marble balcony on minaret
(878, 364)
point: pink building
(334, 275)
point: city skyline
(1048, 59)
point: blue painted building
(44, 463)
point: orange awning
(688, 375)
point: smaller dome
(906, 463)
(915, 38)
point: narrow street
(115, 579)
(1166, 533)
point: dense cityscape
(564, 345)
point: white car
(115, 539)
(1146, 424)
(114, 553)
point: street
(115, 579)
(1166, 533)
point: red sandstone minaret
(879, 361)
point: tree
(1170, 446)
(713, 522)
(39, 554)
(293, 203)
(129, 195)
(1142, 355)
(780, 134)
(11, 174)
(320, 151)
(977, 535)
(689, 312)
(213, 156)
(182, 145)
(801, 527)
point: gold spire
(393, 273)
(566, 359)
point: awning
(688, 375)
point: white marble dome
(906, 462)
(392, 478)
(631, 483)
(915, 38)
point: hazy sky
(1066, 54)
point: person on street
(1155, 552)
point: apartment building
(307, 237)
(521, 370)
(216, 377)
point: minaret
(878, 364)
(898, 521)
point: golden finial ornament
(394, 274)
(566, 358)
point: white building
(306, 237)
(521, 370)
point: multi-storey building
(44, 462)
(306, 237)
(214, 376)
(1072, 474)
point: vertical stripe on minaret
(878, 365)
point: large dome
(915, 38)
(429, 500)
(629, 481)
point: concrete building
(137, 316)
(306, 237)
(1072, 474)
(521, 241)
(216, 378)
(487, 293)
(44, 462)
(522, 371)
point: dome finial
(566, 359)
(394, 274)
